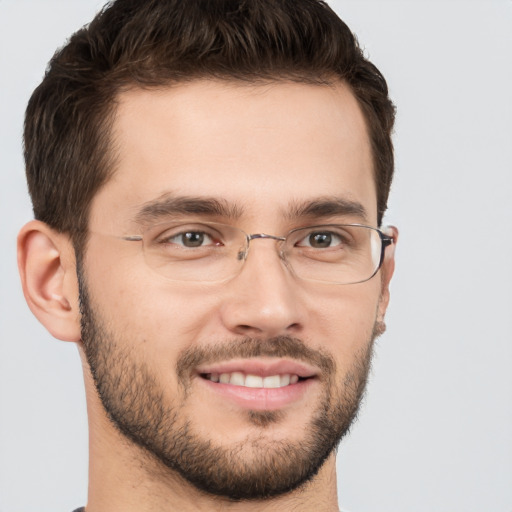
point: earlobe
(46, 262)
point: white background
(435, 434)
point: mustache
(246, 348)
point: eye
(192, 239)
(320, 240)
(189, 239)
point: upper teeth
(253, 381)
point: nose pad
(244, 252)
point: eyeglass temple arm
(386, 242)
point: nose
(264, 299)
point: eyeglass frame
(386, 241)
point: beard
(256, 468)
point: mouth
(258, 384)
(253, 381)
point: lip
(260, 399)
(263, 367)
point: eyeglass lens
(341, 254)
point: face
(244, 386)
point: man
(209, 179)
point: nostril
(246, 328)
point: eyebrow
(327, 207)
(169, 205)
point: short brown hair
(152, 43)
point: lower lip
(261, 399)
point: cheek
(139, 306)
(175, 313)
(344, 319)
(162, 314)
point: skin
(262, 148)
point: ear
(47, 266)
(387, 270)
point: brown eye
(189, 239)
(192, 239)
(321, 240)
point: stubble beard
(255, 469)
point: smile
(263, 384)
(253, 381)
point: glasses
(210, 252)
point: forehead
(259, 148)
